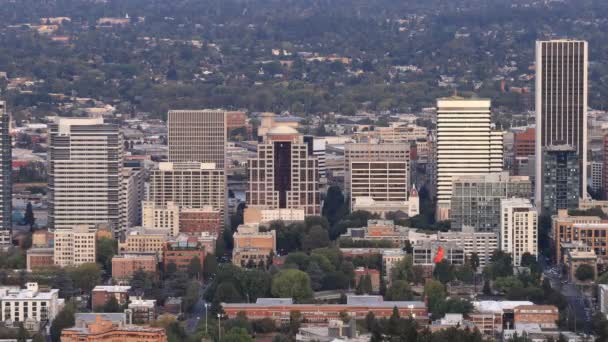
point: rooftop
(112, 288)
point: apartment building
(483, 244)
(252, 245)
(140, 240)
(518, 228)
(75, 246)
(565, 232)
(125, 265)
(30, 306)
(475, 200)
(189, 185)
(84, 173)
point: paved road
(578, 305)
(197, 314)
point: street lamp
(206, 331)
(219, 327)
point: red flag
(439, 255)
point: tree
(444, 271)
(434, 291)
(506, 284)
(192, 295)
(64, 319)
(22, 334)
(38, 338)
(370, 320)
(195, 267)
(487, 290)
(292, 284)
(28, 216)
(295, 321)
(316, 275)
(209, 266)
(106, 249)
(474, 261)
(317, 237)
(334, 206)
(501, 265)
(399, 291)
(112, 305)
(584, 272)
(63, 281)
(527, 259)
(86, 276)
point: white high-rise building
(518, 228)
(466, 144)
(597, 175)
(561, 103)
(84, 173)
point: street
(579, 306)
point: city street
(578, 305)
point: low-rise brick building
(279, 309)
(199, 220)
(123, 266)
(101, 294)
(181, 250)
(544, 315)
(107, 331)
(39, 258)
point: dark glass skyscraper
(561, 104)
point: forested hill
(400, 55)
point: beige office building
(74, 246)
(161, 216)
(466, 145)
(374, 152)
(197, 136)
(381, 181)
(84, 173)
(518, 228)
(285, 174)
(189, 185)
(144, 240)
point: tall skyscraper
(6, 184)
(561, 103)
(84, 173)
(285, 174)
(518, 228)
(465, 145)
(197, 136)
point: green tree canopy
(292, 283)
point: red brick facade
(196, 221)
(124, 266)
